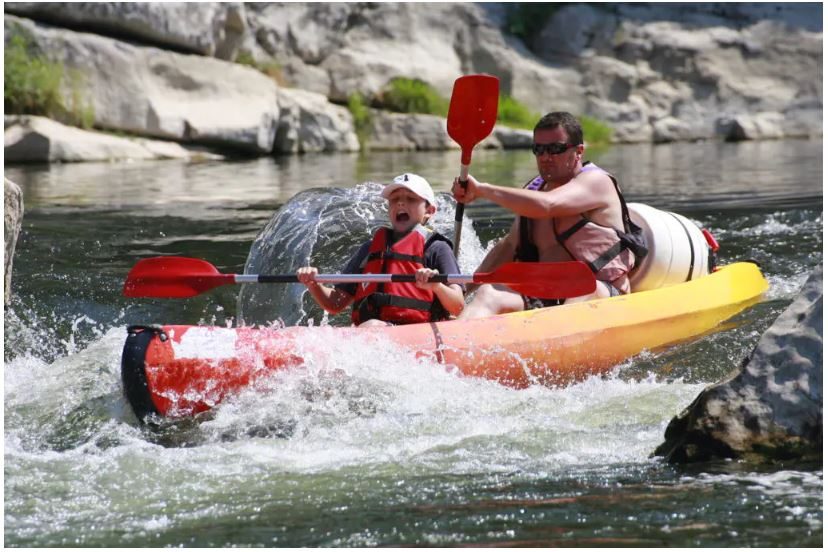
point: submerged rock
(769, 409)
(12, 222)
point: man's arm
(585, 192)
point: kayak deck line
(178, 371)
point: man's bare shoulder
(598, 182)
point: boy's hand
(307, 275)
(421, 278)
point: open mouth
(403, 217)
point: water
(379, 449)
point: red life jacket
(397, 302)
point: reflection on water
(676, 176)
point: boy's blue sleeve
(354, 267)
(440, 257)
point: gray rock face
(208, 28)
(310, 123)
(12, 222)
(654, 72)
(153, 92)
(769, 409)
(687, 71)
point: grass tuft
(33, 86)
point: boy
(406, 247)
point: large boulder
(208, 28)
(31, 139)
(12, 223)
(771, 408)
(152, 92)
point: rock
(29, 138)
(12, 223)
(751, 127)
(340, 49)
(213, 29)
(310, 123)
(513, 138)
(743, 60)
(653, 72)
(771, 408)
(151, 92)
(408, 131)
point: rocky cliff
(660, 72)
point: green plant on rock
(512, 113)
(413, 96)
(596, 133)
(32, 83)
(362, 118)
(33, 86)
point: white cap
(413, 182)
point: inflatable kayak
(179, 371)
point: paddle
(187, 277)
(471, 117)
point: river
(383, 449)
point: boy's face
(406, 209)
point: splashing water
(323, 227)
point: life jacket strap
(370, 306)
(387, 254)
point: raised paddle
(187, 277)
(471, 117)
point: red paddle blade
(173, 277)
(472, 111)
(542, 280)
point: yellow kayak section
(563, 344)
(183, 370)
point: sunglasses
(554, 148)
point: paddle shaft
(187, 277)
(459, 210)
(350, 278)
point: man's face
(561, 167)
(406, 209)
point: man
(572, 211)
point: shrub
(413, 96)
(33, 86)
(512, 113)
(362, 117)
(596, 133)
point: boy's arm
(334, 299)
(331, 299)
(442, 259)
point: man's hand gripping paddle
(471, 117)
